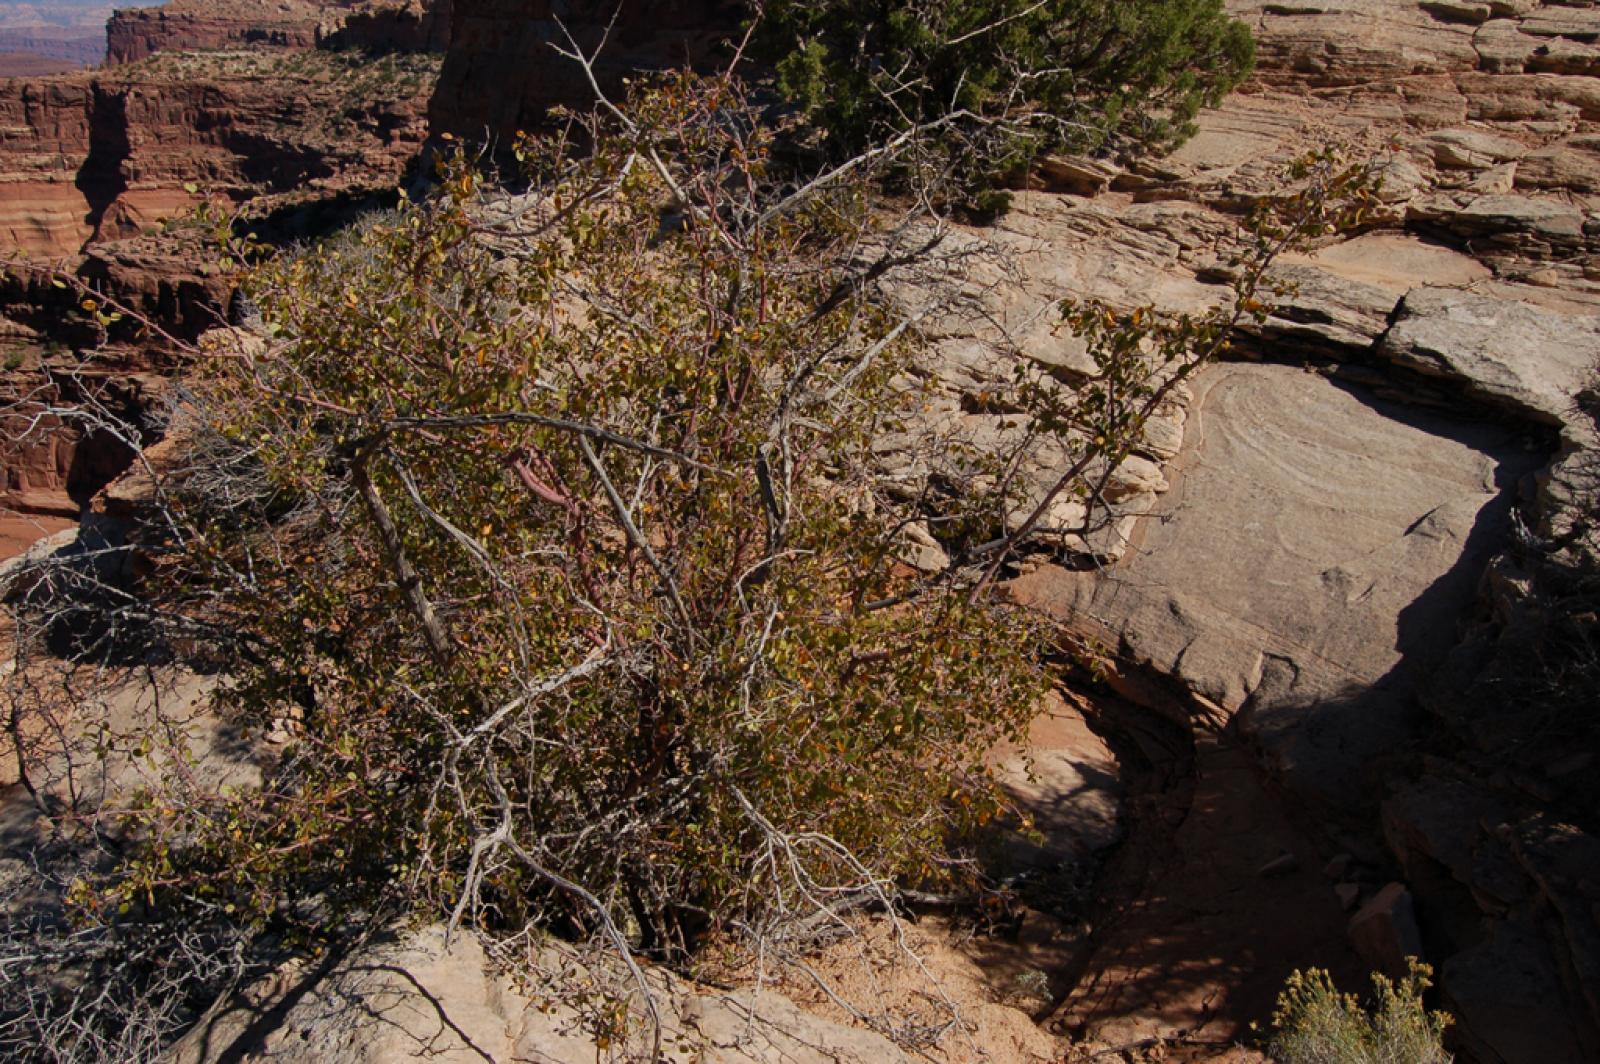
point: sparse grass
(1315, 1023)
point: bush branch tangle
(552, 556)
(544, 531)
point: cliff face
(293, 25)
(103, 157)
(192, 25)
(502, 72)
(97, 170)
(395, 26)
(44, 141)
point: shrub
(553, 547)
(543, 536)
(1088, 75)
(1316, 1024)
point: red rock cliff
(196, 25)
(97, 167)
(93, 157)
(292, 25)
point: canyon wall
(295, 25)
(311, 110)
(44, 142)
(394, 26)
(97, 157)
(196, 25)
(71, 46)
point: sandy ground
(19, 531)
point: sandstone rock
(108, 155)
(1399, 179)
(1062, 352)
(1444, 823)
(1565, 57)
(1385, 930)
(1507, 997)
(1349, 894)
(1326, 311)
(191, 25)
(1074, 175)
(921, 551)
(1572, 164)
(1069, 781)
(1276, 478)
(20, 572)
(1135, 476)
(1344, 42)
(1503, 48)
(1536, 228)
(1502, 352)
(1576, 22)
(417, 999)
(1512, 8)
(1471, 149)
(1395, 262)
(1494, 181)
(1457, 10)
(1163, 433)
(392, 25)
(287, 25)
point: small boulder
(1385, 932)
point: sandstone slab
(1274, 579)
(1504, 352)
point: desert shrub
(1315, 1023)
(551, 545)
(543, 537)
(1087, 75)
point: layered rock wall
(193, 25)
(288, 25)
(94, 158)
(44, 141)
(99, 169)
(395, 26)
(75, 47)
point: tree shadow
(1333, 747)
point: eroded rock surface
(1317, 538)
(419, 997)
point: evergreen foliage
(1025, 75)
